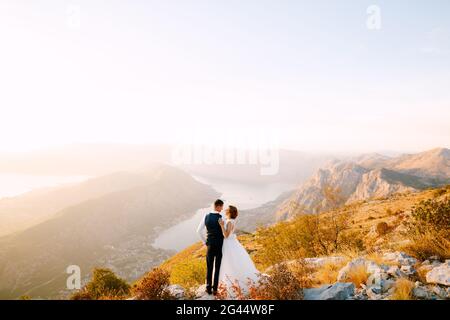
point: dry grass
(302, 272)
(421, 273)
(377, 257)
(327, 274)
(429, 244)
(403, 289)
(358, 276)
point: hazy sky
(309, 72)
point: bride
(237, 267)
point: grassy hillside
(364, 228)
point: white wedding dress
(236, 266)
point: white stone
(374, 293)
(440, 274)
(400, 258)
(337, 291)
(408, 270)
(177, 291)
(421, 293)
(441, 292)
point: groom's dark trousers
(214, 242)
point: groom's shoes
(208, 291)
(215, 293)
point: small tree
(103, 285)
(154, 286)
(382, 228)
(429, 230)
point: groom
(213, 242)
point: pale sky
(309, 72)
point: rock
(386, 285)
(426, 263)
(337, 291)
(319, 262)
(395, 271)
(434, 258)
(408, 270)
(421, 293)
(440, 292)
(440, 274)
(400, 258)
(177, 291)
(360, 294)
(374, 293)
(372, 267)
(201, 293)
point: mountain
(20, 212)
(434, 163)
(84, 159)
(250, 219)
(114, 230)
(368, 177)
(380, 183)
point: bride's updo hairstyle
(232, 212)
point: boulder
(374, 293)
(421, 292)
(440, 292)
(400, 258)
(377, 279)
(408, 270)
(395, 272)
(360, 294)
(337, 291)
(440, 274)
(176, 291)
(386, 285)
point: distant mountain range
(361, 178)
(109, 221)
(103, 159)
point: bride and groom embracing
(226, 258)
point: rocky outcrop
(382, 183)
(440, 274)
(337, 291)
(399, 258)
(380, 284)
(177, 291)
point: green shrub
(306, 236)
(433, 214)
(429, 230)
(103, 285)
